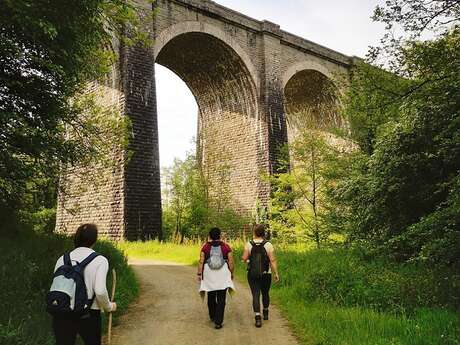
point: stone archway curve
(168, 34)
(306, 65)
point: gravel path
(169, 311)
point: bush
(28, 261)
(41, 221)
(340, 296)
(344, 278)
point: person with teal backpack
(260, 257)
(78, 291)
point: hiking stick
(114, 284)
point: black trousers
(88, 327)
(258, 287)
(216, 305)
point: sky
(342, 25)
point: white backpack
(216, 258)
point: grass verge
(27, 263)
(335, 297)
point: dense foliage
(401, 192)
(49, 51)
(297, 205)
(339, 297)
(28, 261)
(396, 189)
(193, 202)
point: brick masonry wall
(142, 189)
(237, 68)
(95, 194)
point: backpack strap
(258, 244)
(82, 266)
(88, 259)
(67, 260)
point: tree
(184, 197)
(298, 195)
(401, 191)
(190, 209)
(49, 52)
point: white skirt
(220, 279)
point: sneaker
(258, 321)
(218, 326)
(265, 312)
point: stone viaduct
(247, 77)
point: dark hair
(259, 230)
(214, 234)
(85, 236)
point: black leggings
(258, 286)
(89, 328)
(216, 305)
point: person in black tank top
(261, 260)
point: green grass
(335, 297)
(27, 263)
(155, 250)
(322, 323)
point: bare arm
(200, 266)
(231, 263)
(246, 254)
(274, 264)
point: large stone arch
(162, 38)
(218, 73)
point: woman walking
(68, 322)
(215, 274)
(259, 254)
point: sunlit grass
(332, 297)
(185, 254)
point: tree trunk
(314, 205)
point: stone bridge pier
(248, 78)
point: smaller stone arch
(307, 65)
(310, 100)
(175, 30)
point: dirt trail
(169, 311)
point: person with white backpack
(78, 291)
(215, 275)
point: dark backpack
(258, 260)
(67, 295)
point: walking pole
(114, 283)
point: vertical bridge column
(142, 189)
(272, 99)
